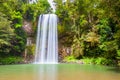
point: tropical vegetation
(91, 28)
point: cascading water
(47, 42)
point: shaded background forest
(89, 28)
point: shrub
(118, 54)
(70, 59)
(11, 60)
(99, 61)
(31, 49)
(88, 60)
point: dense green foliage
(11, 60)
(90, 28)
(95, 25)
(6, 34)
(12, 36)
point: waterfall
(47, 42)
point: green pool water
(58, 72)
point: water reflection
(48, 72)
(58, 72)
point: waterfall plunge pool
(58, 72)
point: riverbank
(93, 61)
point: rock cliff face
(64, 47)
(27, 26)
(63, 52)
(29, 53)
